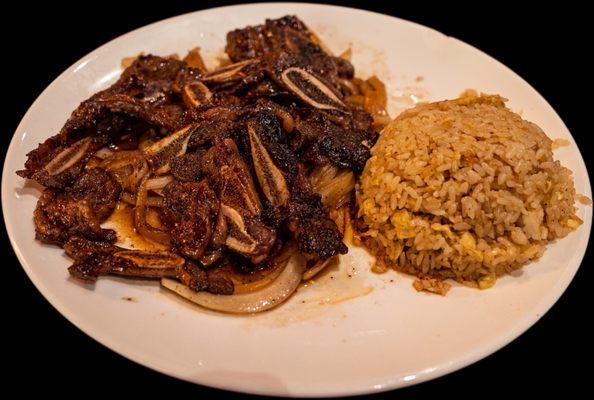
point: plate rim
(470, 357)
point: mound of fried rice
(463, 189)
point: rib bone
(270, 177)
(68, 157)
(151, 259)
(162, 152)
(229, 73)
(196, 94)
(311, 90)
(241, 240)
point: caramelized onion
(319, 267)
(371, 95)
(194, 59)
(248, 287)
(263, 299)
(347, 54)
(140, 223)
(104, 153)
(127, 167)
(151, 201)
(158, 183)
(147, 139)
(334, 185)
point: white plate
(320, 343)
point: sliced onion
(158, 183)
(128, 167)
(334, 185)
(158, 192)
(349, 87)
(319, 267)
(151, 201)
(372, 96)
(194, 59)
(347, 54)
(104, 153)
(140, 222)
(260, 283)
(268, 297)
(286, 119)
(147, 139)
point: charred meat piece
(321, 141)
(156, 80)
(98, 188)
(212, 281)
(214, 124)
(277, 170)
(148, 91)
(93, 259)
(58, 217)
(190, 211)
(188, 168)
(240, 203)
(57, 166)
(79, 210)
(289, 36)
(317, 235)
(328, 129)
(216, 162)
(230, 176)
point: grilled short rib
(238, 144)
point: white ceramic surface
(320, 342)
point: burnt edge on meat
(238, 144)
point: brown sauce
(122, 221)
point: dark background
(547, 46)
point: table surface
(546, 47)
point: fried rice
(463, 189)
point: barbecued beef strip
(285, 186)
(188, 167)
(214, 124)
(99, 188)
(318, 237)
(287, 36)
(240, 203)
(96, 258)
(148, 91)
(93, 259)
(190, 212)
(327, 128)
(238, 143)
(199, 279)
(322, 141)
(79, 210)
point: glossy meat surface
(214, 163)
